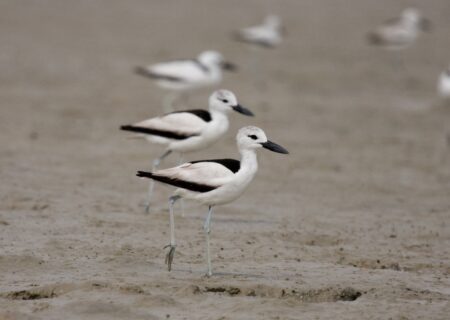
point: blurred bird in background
(400, 32)
(268, 34)
(181, 76)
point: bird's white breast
(444, 85)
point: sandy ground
(353, 224)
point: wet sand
(352, 224)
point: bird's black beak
(426, 25)
(229, 66)
(241, 109)
(272, 146)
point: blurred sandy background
(353, 224)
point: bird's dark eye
(225, 101)
(252, 136)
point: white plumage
(213, 182)
(444, 84)
(268, 34)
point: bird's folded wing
(259, 35)
(185, 70)
(395, 21)
(203, 173)
(181, 122)
(390, 34)
(251, 33)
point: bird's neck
(202, 65)
(219, 117)
(214, 70)
(411, 24)
(272, 26)
(218, 126)
(249, 162)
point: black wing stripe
(177, 183)
(202, 114)
(374, 38)
(155, 132)
(152, 75)
(200, 65)
(232, 164)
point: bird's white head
(225, 101)
(411, 14)
(252, 138)
(212, 58)
(273, 21)
(414, 18)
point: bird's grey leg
(172, 244)
(169, 101)
(180, 162)
(157, 161)
(151, 184)
(207, 229)
(397, 62)
(180, 159)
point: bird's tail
(132, 128)
(145, 174)
(127, 128)
(151, 175)
(374, 38)
(142, 71)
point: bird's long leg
(172, 244)
(180, 161)
(169, 101)
(151, 184)
(207, 229)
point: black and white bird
(268, 34)
(180, 76)
(213, 182)
(444, 84)
(400, 32)
(189, 130)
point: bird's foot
(207, 231)
(169, 255)
(208, 274)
